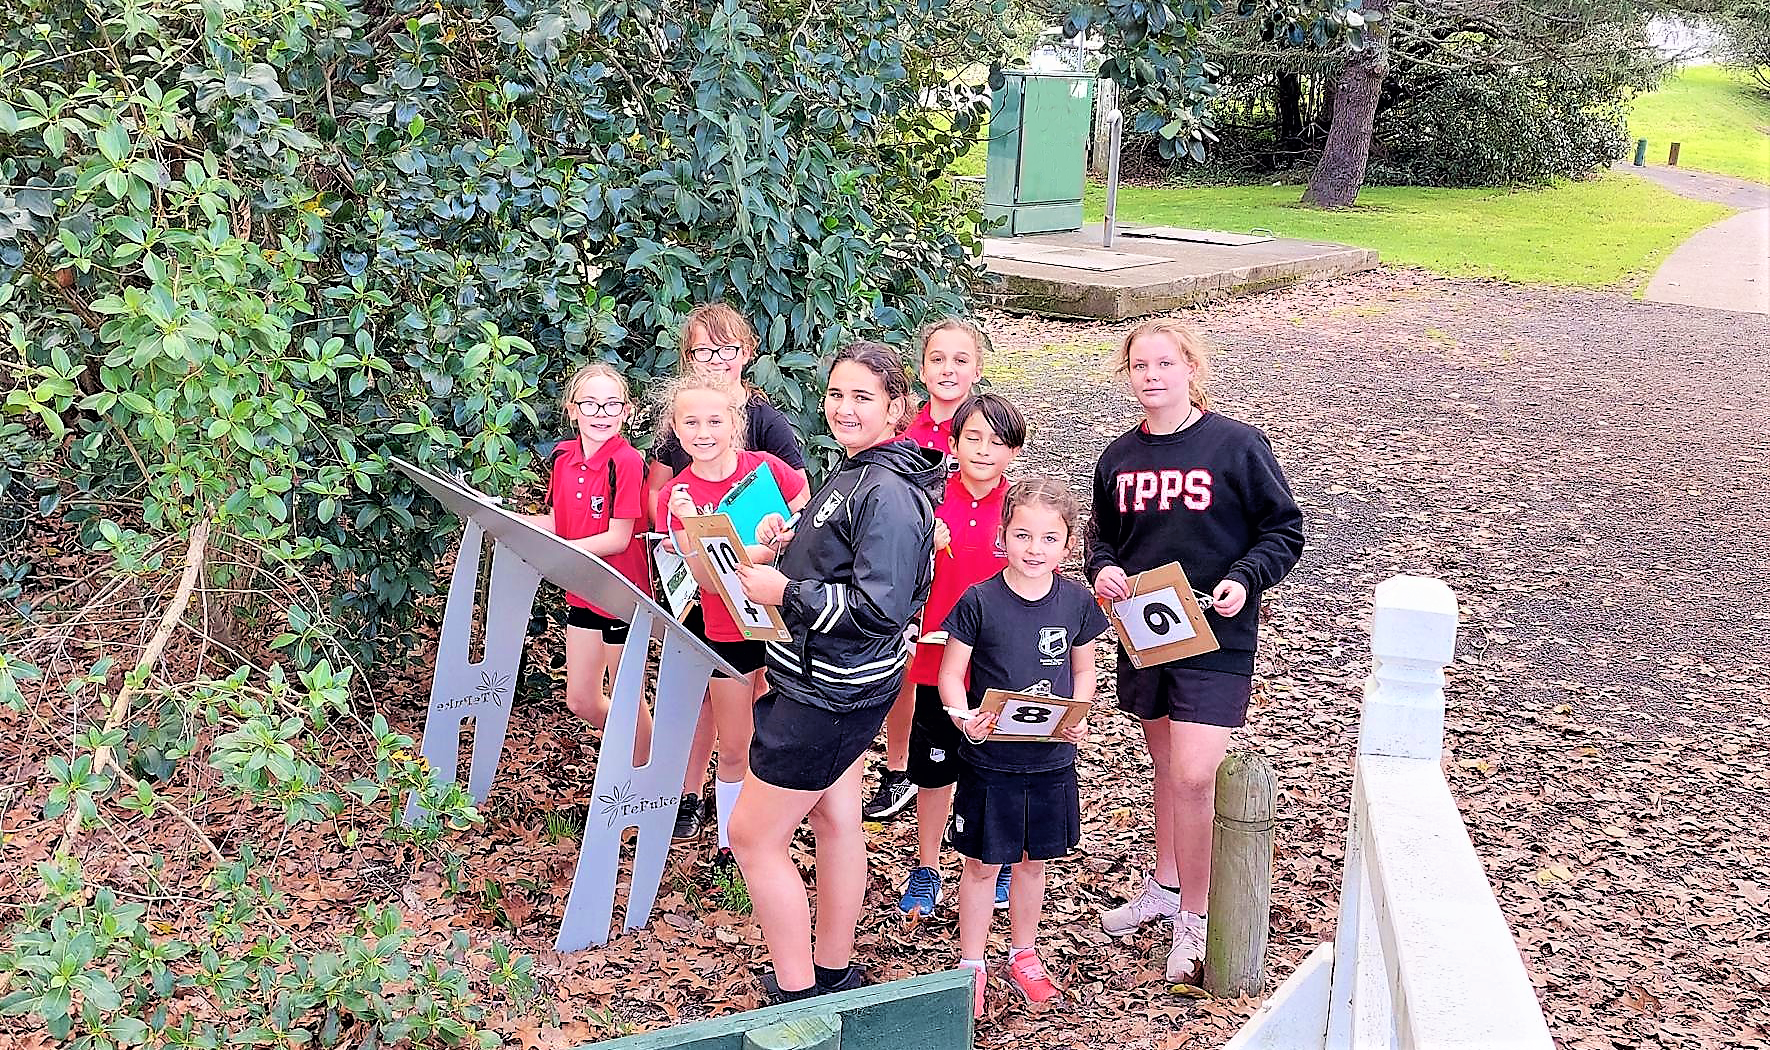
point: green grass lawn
(1609, 231)
(1721, 118)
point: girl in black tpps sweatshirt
(1191, 486)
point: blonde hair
(569, 393)
(736, 398)
(1049, 493)
(953, 324)
(722, 323)
(1191, 345)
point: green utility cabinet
(1038, 138)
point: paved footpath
(1725, 266)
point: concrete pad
(1188, 272)
(1181, 233)
(1098, 260)
(1725, 266)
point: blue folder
(751, 500)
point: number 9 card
(1161, 621)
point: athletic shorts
(934, 742)
(1002, 818)
(614, 632)
(804, 748)
(744, 654)
(1184, 694)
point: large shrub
(250, 250)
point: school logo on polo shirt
(1053, 641)
(596, 505)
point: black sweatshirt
(1211, 497)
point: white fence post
(1413, 637)
(1422, 958)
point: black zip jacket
(1211, 497)
(858, 569)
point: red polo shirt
(925, 432)
(976, 555)
(706, 495)
(588, 494)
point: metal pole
(1115, 121)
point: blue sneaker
(1003, 879)
(921, 893)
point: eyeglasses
(721, 352)
(600, 408)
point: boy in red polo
(988, 435)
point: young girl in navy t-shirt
(1026, 630)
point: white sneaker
(1188, 952)
(1150, 904)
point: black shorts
(934, 742)
(614, 632)
(1184, 694)
(804, 748)
(744, 654)
(999, 818)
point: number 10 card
(714, 539)
(1161, 621)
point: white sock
(975, 964)
(725, 796)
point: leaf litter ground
(1586, 472)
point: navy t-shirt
(765, 430)
(1023, 646)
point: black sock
(1171, 889)
(828, 977)
(788, 995)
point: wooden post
(819, 1032)
(1672, 157)
(1240, 904)
(1106, 96)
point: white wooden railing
(1421, 957)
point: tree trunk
(1289, 119)
(1340, 172)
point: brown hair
(1191, 345)
(1042, 492)
(569, 392)
(735, 396)
(722, 323)
(885, 364)
(953, 324)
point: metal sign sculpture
(643, 797)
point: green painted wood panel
(930, 1012)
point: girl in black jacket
(852, 577)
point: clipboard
(675, 583)
(1029, 718)
(1161, 621)
(713, 538)
(749, 501)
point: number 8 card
(1030, 718)
(1161, 621)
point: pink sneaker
(1029, 978)
(977, 998)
